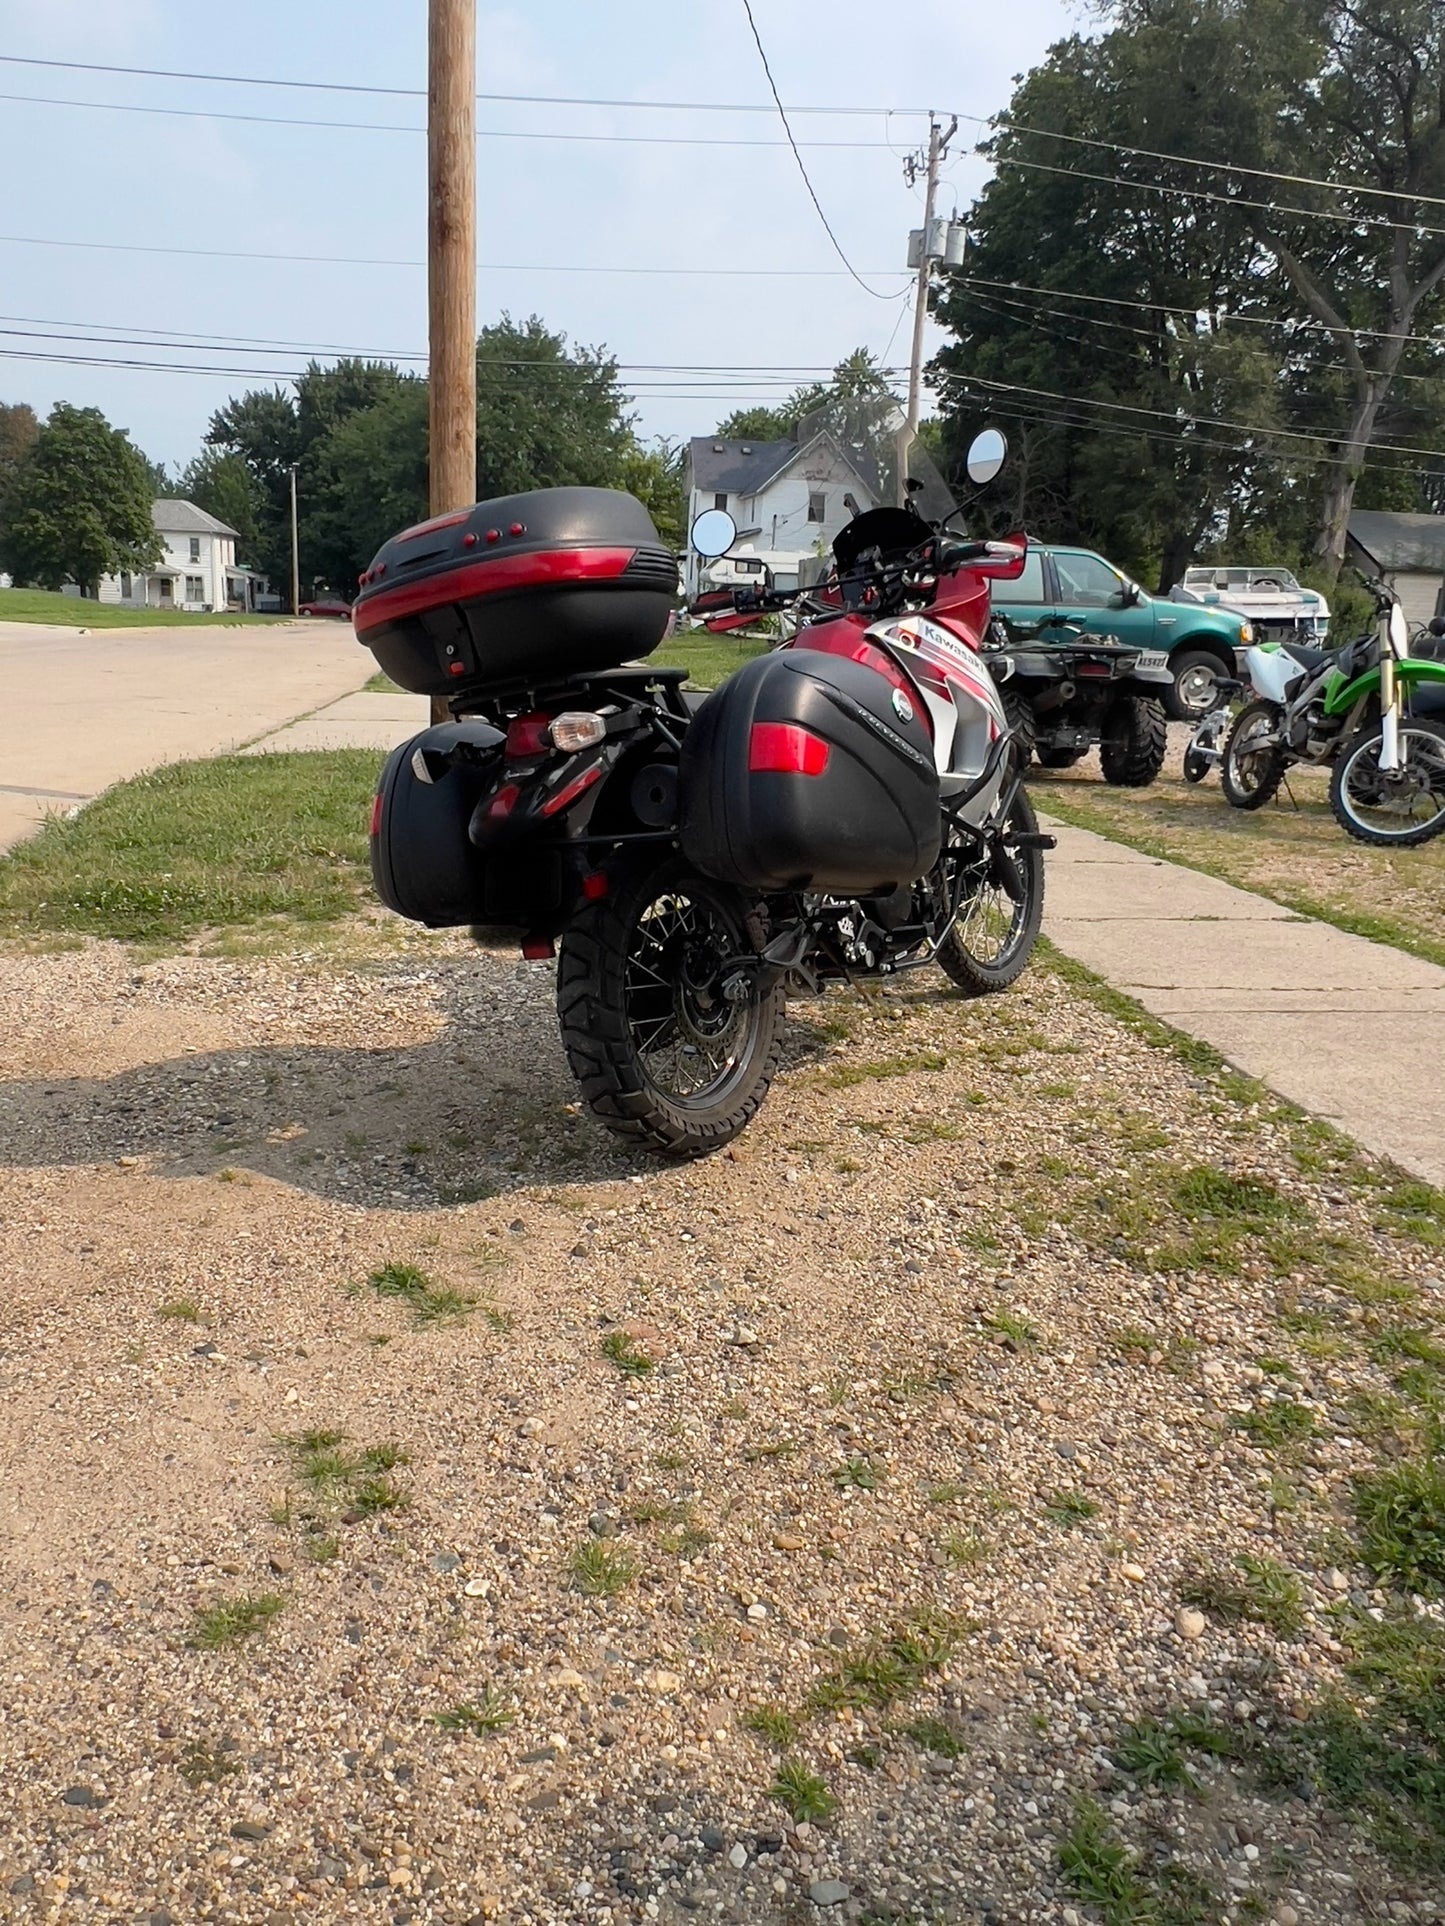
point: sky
(556, 217)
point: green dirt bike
(1372, 711)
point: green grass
(490, 1713)
(1069, 1508)
(184, 1310)
(73, 612)
(205, 1765)
(707, 658)
(601, 1570)
(843, 1076)
(1263, 1593)
(1014, 1327)
(1153, 1751)
(341, 1477)
(1400, 1515)
(858, 1474)
(200, 845)
(802, 1793)
(1280, 1423)
(382, 684)
(1382, 1760)
(233, 1620)
(771, 1722)
(431, 1303)
(627, 1354)
(1103, 1872)
(890, 1667)
(936, 1735)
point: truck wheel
(1021, 728)
(1133, 741)
(1196, 684)
(663, 1055)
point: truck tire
(1021, 728)
(1195, 690)
(1133, 741)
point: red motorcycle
(845, 807)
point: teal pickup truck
(1074, 585)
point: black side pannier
(522, 591)
(808, 771)
(423, 862)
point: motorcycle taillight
(527, 735)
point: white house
(198, 570)
(1408, 553)
(789, 499)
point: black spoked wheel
(663, 1054)
(1253, 765)
(1396, 808)
(1003, 905)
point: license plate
(1153, 659)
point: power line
(419, 93)
(1016, 311)
(1161, 307)
(802, 169)
(1208, 421)
(354, 260)
(1219, 167)
(37, 327)
(399, 127)
(1223, 200)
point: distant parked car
(329, 605)
(1074, 586)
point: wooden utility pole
(937, 147)
(452, 254)
(295, 552)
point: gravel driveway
(887, 1443)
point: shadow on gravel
(486, 1107)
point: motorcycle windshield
(857, 460)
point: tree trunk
(1342, 477)
(1178, 554)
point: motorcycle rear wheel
(1251, 769)
(662, 1056)
(1393, 812)
(991, 942)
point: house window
(719, 501)
(817, 507)
(195, 548)
(195, 589)
(125, 587)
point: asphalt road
(79, 711)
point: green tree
(1349, 97)
(225, 487)
(758, 424)
(79, 507)
(654, 476)
(368, 479)
(18, 432)
(547, 416)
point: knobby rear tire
(596, 1008)
(1251, 786)
(1133, 742)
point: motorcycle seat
(1309, 659)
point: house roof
(737, 467)
(1401, 541)
(184, 518)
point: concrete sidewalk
(362, 721)
(83, 709)
(1346, 1028)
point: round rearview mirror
(713, 533)
(986, 455)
